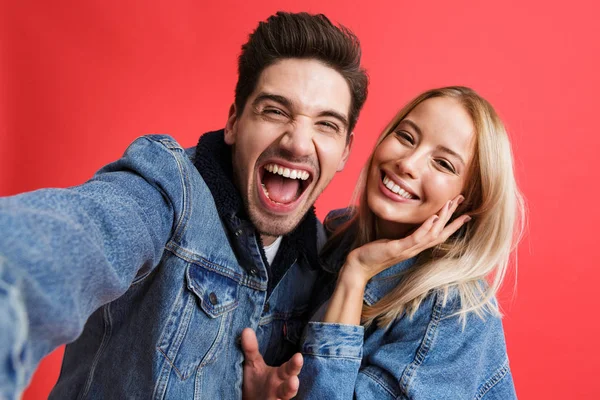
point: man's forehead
(308, 85)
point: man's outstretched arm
(66, 252)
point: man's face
(289, 141)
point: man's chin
(269, 225)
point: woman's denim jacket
(135, 268)
(428, 356)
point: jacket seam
(426, 344)
(182, 327)
(105, 337)
(380, 381)
(337, 356)
(172, 148)
(493, 380)
(283, 316)
(176, 152)
(205, 263)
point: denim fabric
(428, 356)
(135, 270)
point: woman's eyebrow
(413, 125)
(452, 153)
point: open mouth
(284, 186)
(393, 187)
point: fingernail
(435, 219)
(467, 219)
(450, 203)
(460, 199)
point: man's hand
(264, 382)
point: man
(152, 269)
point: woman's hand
(370, 259)
(363, 263)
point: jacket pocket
(200, 319)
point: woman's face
(421, 165)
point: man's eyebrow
(334, 114)
(287, 103)
(442, 148)
(284, 101)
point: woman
(419, 261)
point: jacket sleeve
(427, 357)
(66, 252)
(332, 357)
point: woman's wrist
(352, 276)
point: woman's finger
(451, 228)
(445, 215)
(420, 235)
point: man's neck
(267, 240)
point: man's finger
(250, 347)
(289, 388)
(291, 367)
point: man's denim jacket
(135, 268)
(428, 356)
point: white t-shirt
(271, 250)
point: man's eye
(405, 136)
(329, 126)
(273, 111)
(446, 165)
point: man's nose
(298, 139)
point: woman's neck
(392, 230)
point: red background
(81, 79)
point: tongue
(281, 190)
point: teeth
(286, 172)
(395, 188)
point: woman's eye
(405, 136)
(446, 165)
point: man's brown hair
(302, 35)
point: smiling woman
(413, 311)
(414, 165)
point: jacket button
(266, 308)
(253, 271)
(213, 298)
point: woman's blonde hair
(475, 259)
